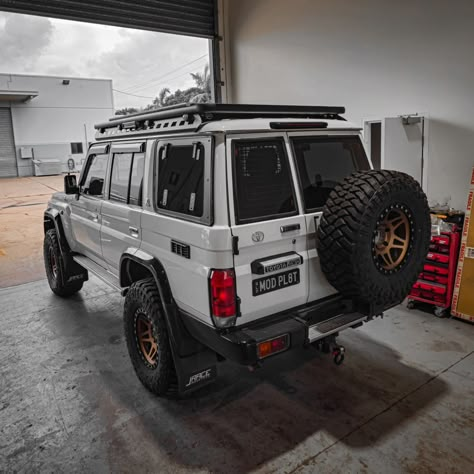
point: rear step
(335, 324)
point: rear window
(323, 162)
(262, 181)
(181, 179)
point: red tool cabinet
(435, 283)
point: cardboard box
(462, 305)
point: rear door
(322, 161)
(271, 261)
(122, 208)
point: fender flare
(182, 342)
(54, 216)
(73, 269)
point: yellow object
(463, 296)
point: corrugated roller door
(187, 17)
(8, 166)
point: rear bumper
(304, 325)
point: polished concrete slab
(70, 402)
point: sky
(139, 62)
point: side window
(120, 176)
(181, 178)
(263, 188)
(136, 179)
(126, 178)
(93, 181)
(323, 162)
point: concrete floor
(70, 402)
(22, 203)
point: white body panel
(102, 229)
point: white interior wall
(376, 57)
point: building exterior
(46, 121)
(378, 59)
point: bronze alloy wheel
(146, 341)
(53, 263)
(392, 238)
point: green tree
(126, 111)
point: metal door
(86, 210)
(271, 260)
(403, 145)
(122, 209)
(8, 166)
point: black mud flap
(196, 365)
(195, 371)
(74, 271)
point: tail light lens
(273, 346)
(223, 297)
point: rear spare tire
(374, 235)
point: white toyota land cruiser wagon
(235, 232)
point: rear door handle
(133, 231)
(289, 228)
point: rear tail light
(273, 346)
(223, 297)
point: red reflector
(222, 287)
(267, 348)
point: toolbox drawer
(441, 239)
(435, 288)
(427, 295)
(437, 257)
(433, 268)
(442, 279)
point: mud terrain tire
(147, 338)
(374, 235)
(55, 269)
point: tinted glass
(76, 147)
(93, 181)
(324, 162)
(262, 181)
(181, 179)
(136, 179)
(120, 177)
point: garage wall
(377, 57)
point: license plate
(275, 282)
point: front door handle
(95, 217)
(133, 231)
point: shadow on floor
(101, 413)
(246, 419)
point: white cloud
(131, 58)
(23, 39)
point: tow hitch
(329, 345)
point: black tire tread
(341, 233)
(56, 284)
(161, 381)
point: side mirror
(70, 184)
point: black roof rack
(191, 116)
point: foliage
(127, 111)
(199, 93)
